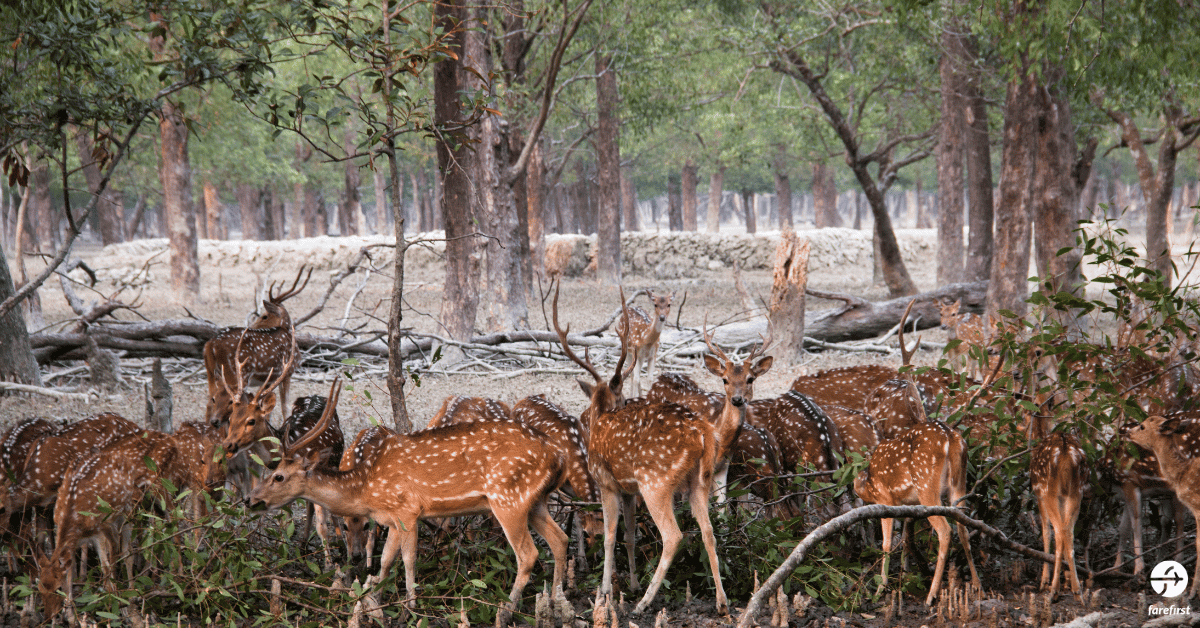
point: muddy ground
(228, 294)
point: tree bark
(460, 294)
(397, 376)
(825, 211)
(629, 202)
(350, 209)
(535, 195)
(716, 184)
(381, 215)
(950, 156)
(214, 213)
(1007, 288)
(17, 363)
(674, 204)
(749, 202)
(300, 204)
(110, 215)
(250, 206)
(786, 312)
(178, 208)
(608, 174)
(783, 190)
(1056, 192)
(41, 208)
(688, 182)
(979, 175)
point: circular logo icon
(1169, 578)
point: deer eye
(250, 422)
(724, 380)
(749, 380)
(278, 477)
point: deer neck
(1173, 466)
(728, 425)
(339, 491)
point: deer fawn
(919, 468)
(268, 346)
(643, 332)
(94, 501)
(1057, 472)
(1160, 435)
(503, 468)
(970, 330)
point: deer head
(286, 482)
(605, 397)
(248, 417)
(662, 307)
(274, 314)
(738, 378)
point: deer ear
(762, 365)
(586, 387)
(315, 458)
(714, 365)
(268, 403)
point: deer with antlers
(654, 450)
(920, 467)
(644, 332)
(246, 356)
(502, 468)
(971, 332)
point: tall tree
(1007, 286)
(950, 154)
(110, 215)
(608, 175)
(716, 183)
(824, 187)
(688, 181)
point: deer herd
(485, 456)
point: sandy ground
(228, 296)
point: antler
(906, 354)
(326, 418)
(712, 347)
(291, 292)
(562, 337)
(235, 393)
(615, 383)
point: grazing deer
(504, 468)
(459, 409)
(264, 349)
(360, 542)
(654, 450)
(94, 502)
(920, 467)
(1057, 472)
(37, 485)
(804, 431)
(643, 332)
(971, 331)
(1160, 435)
(857, 429)
(845, 386)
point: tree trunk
(783, 191)
(786, 312)
(608, 173)
(674, 204)
(214, 214)
(979, 177)
(534, 194)
(315, 222)
(750, 202)
(629, 202)
(950, 156)
(460, 295)
(300, 207)
(380, 215)
(41, 209)
(1007, 287)
(178, 208)
(688, 181)
(716, 183)
(397, 376)
(17, 363)
(1056, 192)
(350, 206)
(109, 213)
(825, 212)
(250, 206)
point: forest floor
(227, 297)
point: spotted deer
(360, 538)
(38, 483)
(845, 386)
(644, 332)
(246, 356)
(1160, 435)
(805, 433)
(94, 501)
(459, 409)
(920, 467)
(1057, 472)
(972, 333)
(502, 468)
(857, 429)
(650, 449)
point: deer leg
(1045, 517)
(1059, 553)
(699, 503)
(629, 510)
(942, 528)
(721, 482)
(1133, 503)
(320, 518)
(1196, 574)
(516, 530)
(557, 540)
(403, 536)
(660, 507)
(610, 504)
(651, 362)
(1071, 508)
(887, 552)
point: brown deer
(18, 441)
(857, 429)
(1160, 435)
(845, 386)
(1057, 472)
(972, 333)
(256, 353)
(459, 409)
(654, 450)
(37, 485)
(805, 433)
(923, 465)
(94, 502)
(502, 468)
(644, 332)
